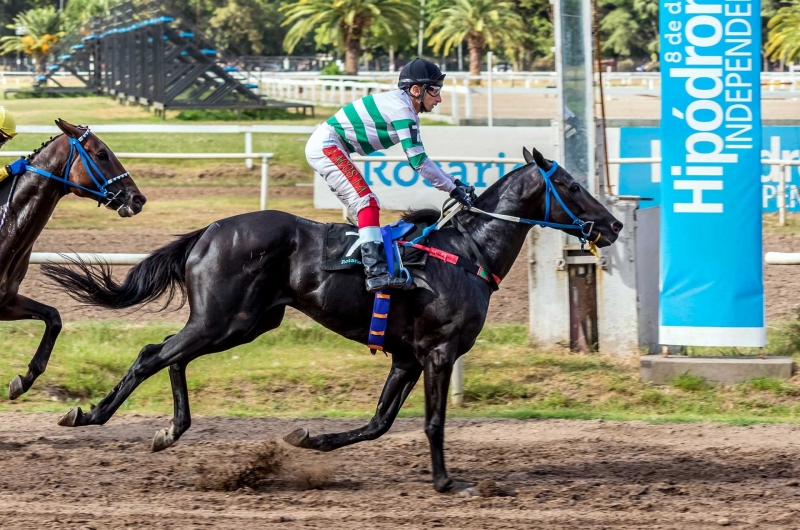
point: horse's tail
(162, 273)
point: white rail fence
(39, 258)
(154, 129)
(782, 258)
(192, 156)
(771, 81)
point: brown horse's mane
(6, 184)
(38, 150)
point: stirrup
(387, 282)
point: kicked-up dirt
(553, 474)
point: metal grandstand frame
(141, 55)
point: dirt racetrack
(553, 474)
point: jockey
(374, 123)
(8, 130)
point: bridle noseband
(97, 176)
(585, 227)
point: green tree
(251, 27)
(346, 23)
(539, 37)
(480, 23)
(79, 11)
(629, 29)
(8, 10)
(43, 29)
(784, 34)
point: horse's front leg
(438, 367)
(403, 376)
(22, 308)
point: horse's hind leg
(22, 308)
(196, 339)
(404, 374)
(182, 419)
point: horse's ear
(540, 160)
(67, 128)
(527, 155)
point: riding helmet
(420, 72)
(7, 124)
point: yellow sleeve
(3, 173)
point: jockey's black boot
(374, 260)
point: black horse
(29, 201)
(241, 273)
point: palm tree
(347, 22)
(481, 23)
(42, 28)
(784, 34)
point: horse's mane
(6, 184)
(36, 151)
(5, 190)
(432, 215)
(423, 215)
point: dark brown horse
(241, 273)
(28, 202)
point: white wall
(398, 187)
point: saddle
(343, 251)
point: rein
(584, 226)
(97, 176)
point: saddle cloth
(342, 250)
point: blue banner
(644, 180)
(712, 291)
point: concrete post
(264, 182)
(782, 194)
(248, 148)
(489, 93)
(455, 112)
(467, 100)
(457, 383)
(548, 288)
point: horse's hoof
(465, 489)
(15, 388)
(162, 440)
(297, 438)
(70, 419)
(456, 486)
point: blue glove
(17, 167)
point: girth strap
(477, 254)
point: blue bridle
(584, 226)
(97, 176)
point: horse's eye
(102, 155)
(575, 187)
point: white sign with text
(399, 187)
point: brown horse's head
(121, 194)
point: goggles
(433, 90)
